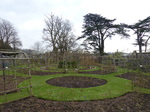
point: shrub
(60, 65)
(68, 64)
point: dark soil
(138, 79)
(10, 83)
(131, 102)
(104, 71)
(40, 73)
(76, 82)
(99, 72)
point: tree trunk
(145, 47)
(102, 47)
(139, 44)
(146, 43)
(140, 48)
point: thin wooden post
(29, 73)
(14, 74)
(4, 78)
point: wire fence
(135, 62)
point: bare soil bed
(100, 72)
(138, 79)
(131, 102)
(40, 73)
(10, 83)
(76, 82)
(104, 71)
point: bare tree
(8, 36)
(16, 43)
(59, 34)
(38, 47)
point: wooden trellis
(9, 62)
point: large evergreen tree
(97, 29)
(142, 31)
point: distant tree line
(59, 36)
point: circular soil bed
(76, 82)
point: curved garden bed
(138, 79)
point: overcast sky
(28, 16)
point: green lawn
(114, 87)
